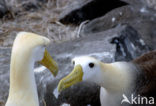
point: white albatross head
(90, 66)
(85, 69)
(32, 47)
(112, 76)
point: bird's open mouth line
(71, 80)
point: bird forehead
(31, 39)
(84, 60)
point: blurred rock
(129, 45)
(111, 19)
(49, 96)
(151, 4)
(82, 94)
(3, 8)
(141, 19)
(4, 74)
(135, 2)
(81, 10)
(29, 6)
(16, 6)
(147, 3)
(32, 5)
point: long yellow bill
(49, 63)
(74, 77)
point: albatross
(119, 80)
(28, 48)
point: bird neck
(22, 81)
(117, 77)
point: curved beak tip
(74, 77)
(55, 72)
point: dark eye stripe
(91, 65)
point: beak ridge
(74, 77)
(49, 63)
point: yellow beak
(49, 63)
(74, 77)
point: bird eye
(91, 65)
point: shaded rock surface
(147, 3)
(4, 74)
(24, 5)
(90, 95)
(3, 8)
(10, 8)
(82, 10)
(126, 47)
(143, 20)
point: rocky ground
(39, 16)
(122, 33)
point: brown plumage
(146, 82)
